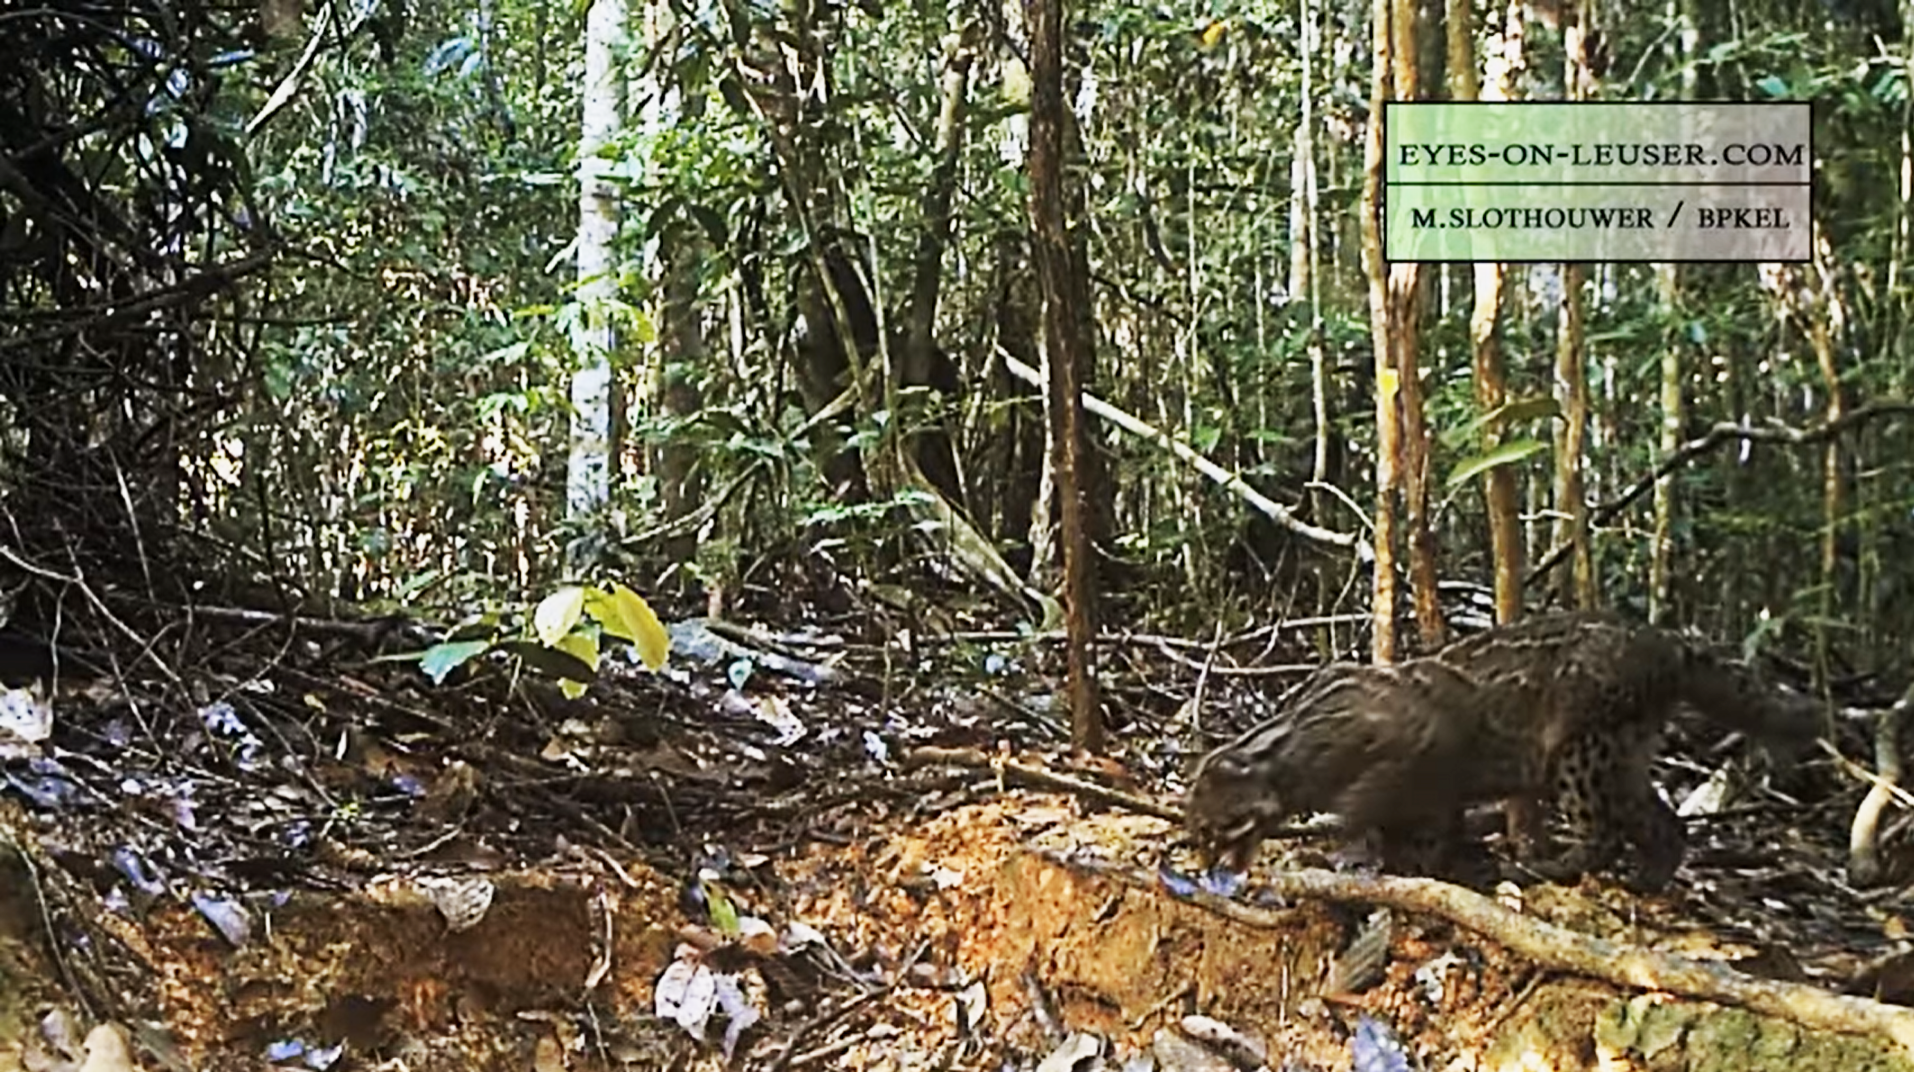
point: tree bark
(679, 355)
(588, 461)
(1571, 497)
(1571, 369)
(1068, 347)
(1485, 341)
(1388, 430)
(1405, 294)
(1661, 549)
(1823, 315)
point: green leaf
(1506, 454)
(624, 613)
(555, 661)
(724, 915)
(505, 355)
(557, 613)
(1517, 411)
(582, 646)
(441, 659)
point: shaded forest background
(291, 309)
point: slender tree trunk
(1571, 369)
(1388, 430)
(1485, 340)
(1668, 287)
(1571, 498)
(1406, 284)
(1662, 546)
(1825, 315)
(928, 443)
(679, 355)
(1303, 245)
(588, 468)
(1067, 344)
(1897, 352)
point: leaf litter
(315, 862)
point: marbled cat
(1566, 709)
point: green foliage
(1507, 453)
(564, 637)
(414, 409)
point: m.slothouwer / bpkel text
(1604, 218)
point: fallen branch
(1023, 774)
(1012, 636)
(1551, 946)
(369, 632)
(1725, 432)
(1229, 481)
(1014, 773)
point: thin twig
(1726, 432)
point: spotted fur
(1564, 709)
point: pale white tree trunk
(588, 463)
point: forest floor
(326, 862)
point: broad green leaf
(1513, 412)
(1506, 454)
(554, 661)
(582, 645)
(624, 613)
(557, 613)
(441, 659)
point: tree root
(1864, 850)
(1551, 946)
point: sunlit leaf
(686, 994)
(505, 354)
(724, 915)
(557, 613)
(582, 645)
(624, 613)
